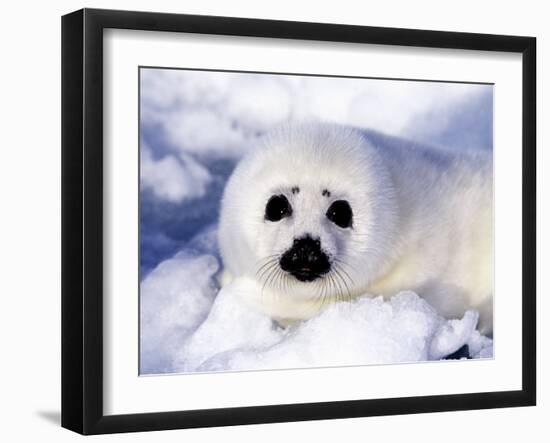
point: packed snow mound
(187, 327)
(175, 298)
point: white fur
(422, 221)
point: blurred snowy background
(194, 127)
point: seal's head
(310, 214)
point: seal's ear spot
(340, 213)
(277, 208)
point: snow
(222, 113)
(171, 178)
(174, 299)
(188, 325)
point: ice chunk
(452, 335)
(174, 299)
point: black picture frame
(82, 218)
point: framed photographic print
(269, 221)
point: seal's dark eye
(277, 208)
(340, 213)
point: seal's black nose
(305, 260)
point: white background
(30, 234)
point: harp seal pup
(319, 213)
